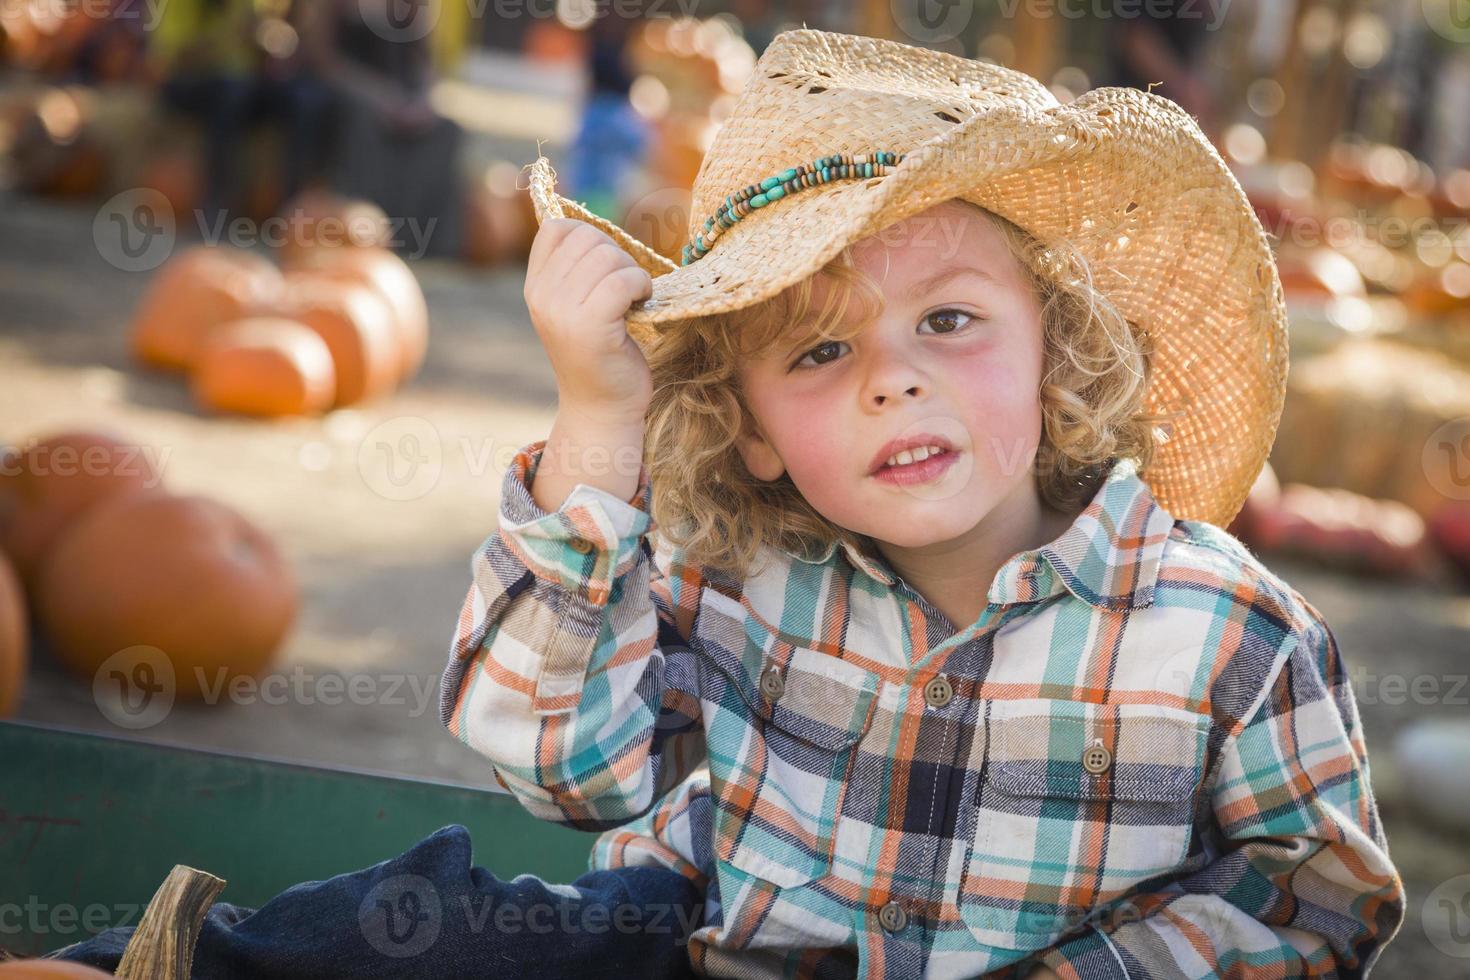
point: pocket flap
(1037, 747)
(824, 700)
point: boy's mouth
(909, 451)
(917, 470)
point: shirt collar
(1108, 557)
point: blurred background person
(1163, 43)
(612, 138)
(231, 64)
(390, 145)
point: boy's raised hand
(579, 285)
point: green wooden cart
(90, 825)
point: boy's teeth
(916, 455)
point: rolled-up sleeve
(566, 669)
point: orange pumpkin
(500, 220)
(392, 279)
(54, 481)
(176, 174)
(357, 326)
(193, 293)
(265, 366)
(15, 635)
(321, 219)
(55, 150)
(49, 970)
(185, 574)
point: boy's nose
(880, 398)
(893, 376)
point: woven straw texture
(1126, 176)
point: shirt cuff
(1089, 956)
(587, 543)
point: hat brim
(1125, 176)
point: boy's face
(958, 358)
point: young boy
(939, 665)
(1026, 719)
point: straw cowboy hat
(837, 136)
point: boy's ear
(760, 456)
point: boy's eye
(948, 318)
(816, 353)
(944, 321)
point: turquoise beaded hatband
(838, 166)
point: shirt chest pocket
(1076, 804)
(783, 723)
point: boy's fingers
(542, 243)
(619, 291)
(548, 239)
(562, 265)
(600, 262)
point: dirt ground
(382, 555)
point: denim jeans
(428, 913)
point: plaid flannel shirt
(1144, 759)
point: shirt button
(772, 683)
(892, 917)
(1096, 759)
(582, 545)
(938, 691)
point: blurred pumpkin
(176, 174)
(21, 42)
(357, 325)
(1320, 271)
(267, 367)
(1437, 292)
(1451, 196)
(51, 483)
(321, 219)
(1449, 529)
(185, 574)
(1264, 495)
(392, 279)
(54, 149)
(551, 42)
(679, 144)
(195, 292)
(15, 635)
(500, 220)
(1345, 529)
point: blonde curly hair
(707, 503)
